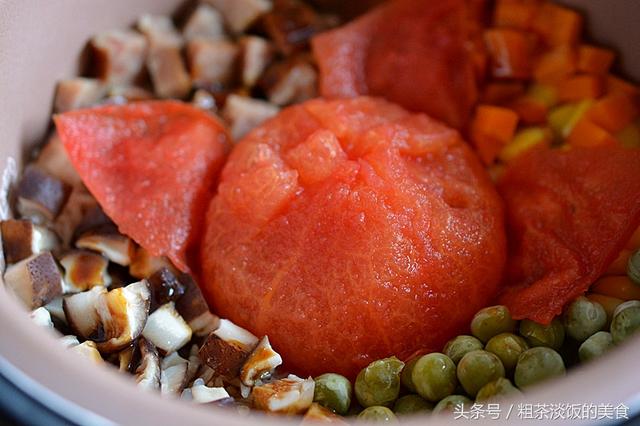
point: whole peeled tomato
(351, 230)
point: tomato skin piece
(425, 57)
(152, 166)
(388, 250)
(569, 213)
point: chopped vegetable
(594, 60)
(607, 302)
(377, 414)
(595, 346)
(633, 267)
(491, 321)
(500, 388)
(556, 64)
(491, 129)
(525, 140)
(580, 87)
(507, 347)
(625, 323)
(619, 286)
(379, 382)
(333, 391)
(457, 347)
(411, 404)
(551, 336)
(515, 13)
(557, 25)
(584, 318)
(613, 112)
(434, 376)
(510, 52)
(563, 118)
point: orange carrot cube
(594, 60)
(618, 85)
(557, 25)
(491, 129)
(510, 52)
(588, 134)
(556, 65)
(515, 13)
(613, 112)
(580, 87)
(530, 110)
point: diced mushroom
(84, 270)
(165, 287)
(119, 56)
(22, 239)
(41, 196)
(291, 24)
(110, 243)
(202, 394)
(244, 114)
(88, 350)
(81, 312)
(240, 14)
(166, 329)
(143, 264)
(94, 219)
(261, 363)
(256, 54)
(41, 317)
(148, 372)
(204, 22)
(78, 93)
(159, 29)
(319, 414)
(194, 363)
(164, 60)
(125, 358)
(56, 310)
(53, 159)
(227, 348)
(204, 100)
(69, 341)
(292, 395)
(290, 82)
(123, 314)
(212, 62)
(174, 375)
(194, 309)
(35, 281)
(80, 203)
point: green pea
(457, 347)
(452, 403)
(633, 267)
(378, 414)
(434, 376)
(405, 376)
(536, 365)
(379, 382)
(500, 388)
(411, 404)
(477, 368)
(626, 321)
(333, 391)
(491, 321)
(551, 336)
(584, 318)
(507, 347)
(595, 346)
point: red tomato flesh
(152, 166)
(352, 230)
(418, 54)
(569, 213)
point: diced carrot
(594, 60)
(619, 266)
(557, 25)
(556, 64)
(510, 52)
(619, 286)
(525, 140)
(607, 302)
(613, 112)
(515, 13)
(492, 128)
(580, 87)
(618, 85)
(498, 93)
(587, 134)
(634, 241)
(530, 110)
